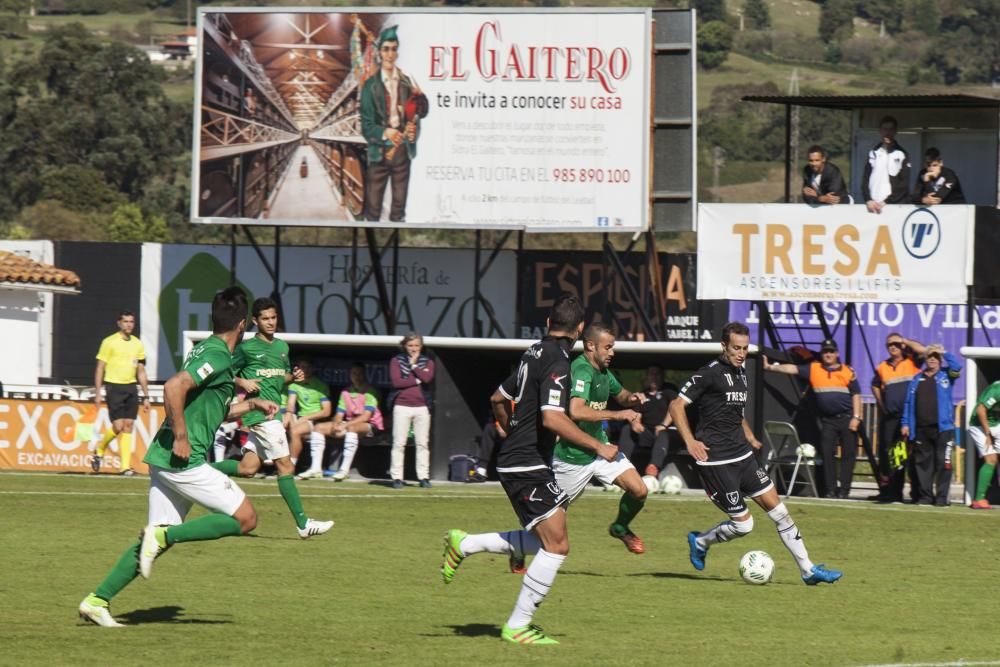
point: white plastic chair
(786, 451)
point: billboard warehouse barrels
(527, 119)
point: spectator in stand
(838, 399)
(889, 386)
(886, 178)
(936, 183)
(654, 440)
(984, 429)
(822, 182)
(929, 421)
(411, 372)
(357, 415)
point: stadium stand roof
(847, 102)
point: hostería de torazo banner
(533, 119)
(906, 254)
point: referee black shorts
(534, 494)
(728, 484)
(123, 401)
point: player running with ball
(723, 450)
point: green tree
(51, 220)
(967, 49)
(79, 188)
(710, 10)
(715, 41)
(90, 104)
(15, 7)
(757, 14)
(922, 15)
(888, 12)
(129, 224)
(836, 20)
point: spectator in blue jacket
(928, 421)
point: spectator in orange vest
(892, 377)
(838, 399)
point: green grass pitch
(919, 584)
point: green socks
(628, 507)
(985, 477)
(228, 467)
(208, 527)
(290, 493)
(121, 575)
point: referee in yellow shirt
(121, 360)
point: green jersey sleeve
(614, 385)
(208, 364)
(583, 378)
(371, 401)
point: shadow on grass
(475, 630)
(172, 614)
(679, 575)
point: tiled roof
(22, 270)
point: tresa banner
(41, 436)
(545, 275)
(432, 288)
(906, 254)
(525, 119)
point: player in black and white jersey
(723, 448)
(539, 389)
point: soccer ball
(652, 485)
(671, 484)
(756, 567)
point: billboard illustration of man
(391, 104)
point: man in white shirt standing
(887, 171)
(391, 139)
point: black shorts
(123, 401)
(534, 494)
(729, 483)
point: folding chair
(786, 451)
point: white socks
(725, 531)
(792, 539)
(317, 443)
(513, 542)
(537, 582)
(350, 449)
(222, 436)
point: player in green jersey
(984, 430)
(591, 385)
(198, 398)
(309, 402)
(263, 369)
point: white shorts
(172, 492)
(573, 478)
(977, 436)
(268, 440)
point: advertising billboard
(780, 252)
(498, 119)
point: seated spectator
(822, 182)
(309, 401)
(886, 178)
(488, 443)
(936, 183)
(357, 414)
(655, 438)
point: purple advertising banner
(925, 323)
